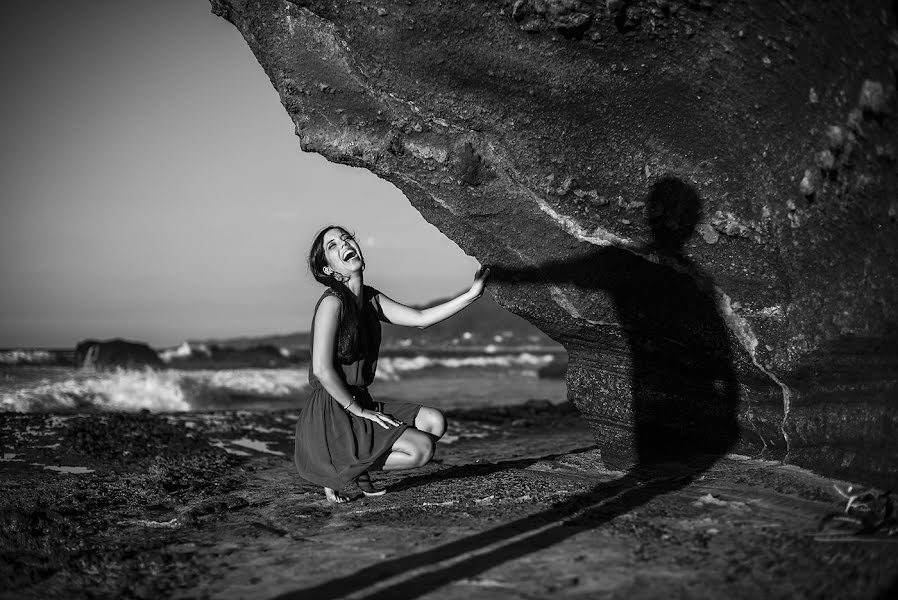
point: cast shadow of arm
(667, 341)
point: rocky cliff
(696, 198)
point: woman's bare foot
(364, 483)
(336, 497)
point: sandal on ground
(364, 481)
(335, 497)
(868, 515)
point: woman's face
(342, 252)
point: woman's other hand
(378, 417)
(480, 279)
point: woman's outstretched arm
(327, 321)
(400, 314)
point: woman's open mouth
(349, 255)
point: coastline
(207, 504)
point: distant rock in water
(556, 369)
(117, 353)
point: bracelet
(346, 408)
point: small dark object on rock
(855, 118)
(628, 19)
(469, 166)
(396, 146)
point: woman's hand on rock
(480, 279)
(381, 419)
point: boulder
(116, 354)
(644, 178)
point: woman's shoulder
(329, 298)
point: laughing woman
(342, 433)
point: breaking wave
(392, 368)
(26, 356)
(38, 389)
(156, 391)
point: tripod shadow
(675, 415)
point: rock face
(695, 198)
(115, 354)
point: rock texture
(695, 198)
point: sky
(152, 188)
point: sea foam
(157, 391)
(176, 390)
(115, 390)
(24, 356)
(392, 368)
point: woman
(342, 433)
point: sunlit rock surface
(698, 199)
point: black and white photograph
(484, 299)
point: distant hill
(482, 324)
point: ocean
(446, 382)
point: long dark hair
(349, 346)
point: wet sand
(208, 505)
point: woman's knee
(431, 420)
(419, 446)
(424, 448)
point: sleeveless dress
(334, 447)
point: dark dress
(334, 447)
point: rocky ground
(208, 505)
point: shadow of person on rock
(653, 355)
(685, 393)
(651, 320)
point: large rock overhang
(697, 199)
